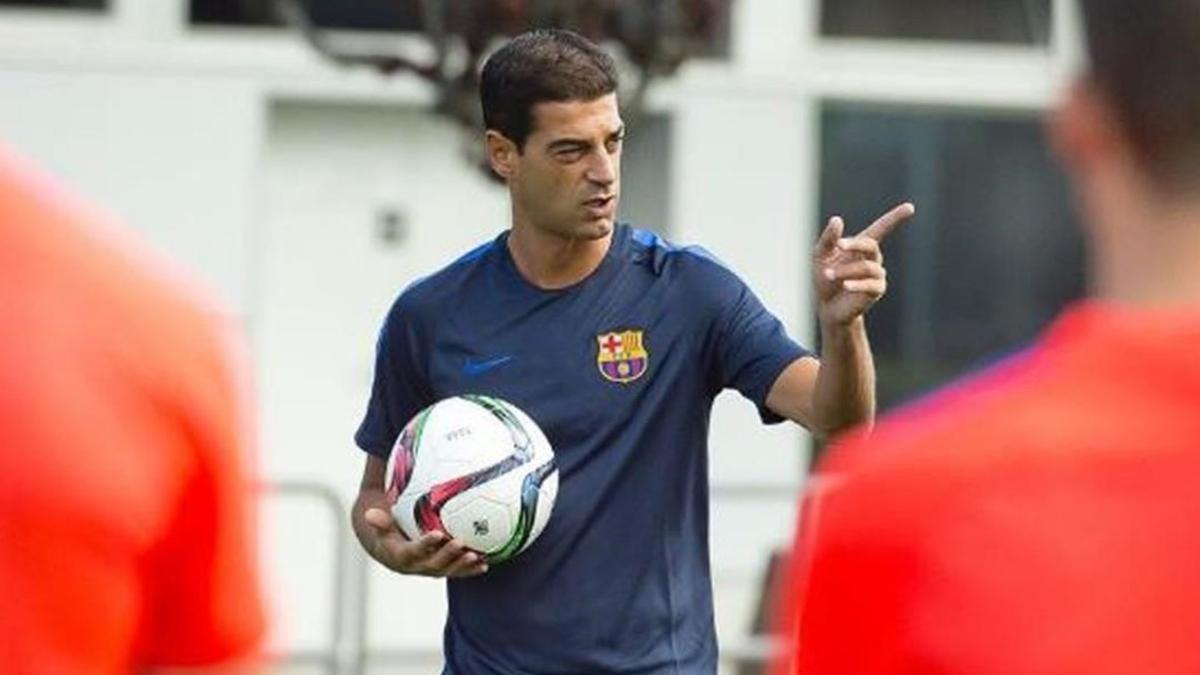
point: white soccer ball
(477, 468)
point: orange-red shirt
(1044, 518)
(125, 538)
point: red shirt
(125, 538)
(1044, 518)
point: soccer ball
(478, 469)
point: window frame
(942, 40)
(966, 77)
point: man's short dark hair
(537, 67)
(1146, 61)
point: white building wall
(265, 170)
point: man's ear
(1084, 130)
(502, 154)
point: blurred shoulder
(994, 415)
(105, 332)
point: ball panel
(464, 432)
(405, 516)
(480, 523)
(531, 507)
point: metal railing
(340, 657)
(348, 652)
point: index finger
(889, 221)
(406, 553)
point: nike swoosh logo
(476, 368)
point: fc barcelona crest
(622, 356)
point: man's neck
(1151, 260)
(551, 262)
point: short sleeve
(752, 347)
(399, 390)
(203, 598)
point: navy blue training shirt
(620, 371)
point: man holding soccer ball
(616, 343)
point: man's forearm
(363, 531)
(844, 395)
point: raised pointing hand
(848, 272)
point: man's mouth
(600, 204)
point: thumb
(379, 518)
(829, 238)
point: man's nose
(602, 169)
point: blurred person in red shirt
(1045, 516)
(125, 531)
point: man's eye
(572, 155)
(614, 144)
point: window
(995, 21)
(405, 16)
(379, 15)
(98, 5)
(646, 173)
(994, 253)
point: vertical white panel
(1068, 39)
(150, 19)
(770, 36)
(740, 162)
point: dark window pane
(994, 253)
(57, 4)
(381, 15)
(646, 172)
(1003, 21)
(710, 21)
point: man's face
(567, 180)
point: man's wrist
(837, 329)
